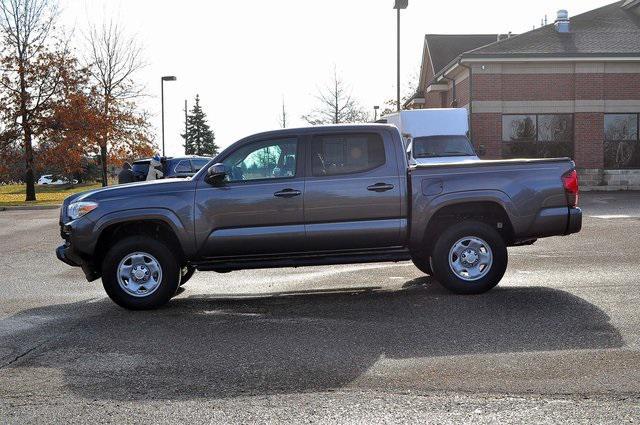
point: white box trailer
(434, 135)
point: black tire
(447, 239)
(423, 263)
(168, 284)
(186, 274)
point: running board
(303, 261)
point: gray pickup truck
(317, 196)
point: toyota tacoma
(317, 196)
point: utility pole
(398, 74)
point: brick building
(571, 88)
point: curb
(29, 207)
(609, 188)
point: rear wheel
(140, 273)
(469, 258)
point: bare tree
(410, 87)
(28, 79)
(283, 117)
(113, 60)
(336, 105)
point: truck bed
(529, 190)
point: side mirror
(216, 173)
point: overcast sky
(244, 56)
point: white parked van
(434, 136)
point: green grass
(14, 194)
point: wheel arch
(159, 224)
(495, 210)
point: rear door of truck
(353, 191)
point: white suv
(47, 179)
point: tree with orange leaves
(71, 128)
(29, 75)
(113, 59)
(77, 124)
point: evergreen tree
(200, 139)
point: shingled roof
(607, 31)
(443, 48)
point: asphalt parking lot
(558, 340)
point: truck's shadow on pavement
(211, 346)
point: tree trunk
(103, 145)
(26, 131)
(103, 164)
(28, 156)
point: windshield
(442, 146)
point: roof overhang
(547, 58)
(523, 58)
(435, 87)
(415, 101)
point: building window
(537, 136)
(621, 143)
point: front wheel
(186, 274)
(469, 258)
(423, 263)
(140, 273)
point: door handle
(287, 193)
(380, 187)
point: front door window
(273, 159)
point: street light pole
(399, 4)
(162, 80)
(398, 73)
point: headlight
(76, 210)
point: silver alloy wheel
(139, 274)
(470, 258)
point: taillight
(571, 187)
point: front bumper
(65, 254)
(574, 224)
(76, 234)
(68, 255)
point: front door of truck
(258, 209)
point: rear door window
(335, 154)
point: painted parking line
(613, 216)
